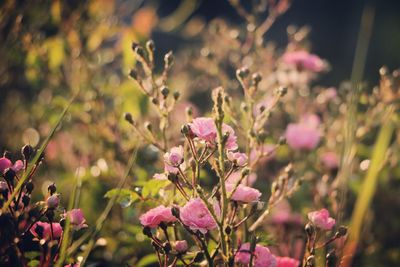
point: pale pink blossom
(286, 262)
(321, 219)
(155, 216)
(283, 214)
(243, 193)
(262, 256)
(160, 176)
(53, 201)
(240, 159)
(197, 217)
(5, 163)
(304, 134)
(236, 176)
(330, 160)
(77, 219)
(174, 157)
(304, 60)
(181, 246)
(206, 130)
(43, 230)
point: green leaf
(125, 197)
(33, 263)
(152, 187)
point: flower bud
(169, 59)
(154, 100)
(25, 200)
(181, 246)
(242, 73)
(128, 117)
(281, 91)
(309, 228)
(140, 52)
(167, 247)
(175, 211)
(189, 111)
(150, 46)
(29, 187)
(147, 231)
(176, 95)
(282, 140)
(331, 259)
(342, 231)
(245, 172)
(148, 126)
(310, 262)
(256, 78)
(164, 91)
(27, 152)
(9, 175)
(52, 188)
(133, 74)
(53, 201)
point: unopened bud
(281, 91)
(244, 107)
(342, 231)
(140, 52)
(25, 200)
(245, 172)
(133, 74)
(147, 231)
(52, 201)
(148, 126)
(256, 78)
(52, 188)
(154, 101)
(164, 91)
(175, 212)
(150, 46)
(9, 175)
(242, 73)
(309, 228)
(29, 187)
(331, 259)
(167, 247)
(176, 95)
(169, 59)
(282, 140)
(128, 117)
(27, 152)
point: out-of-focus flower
(304, 60)
(240, 159)
(43, 230)
(72, 265)
(197, 217)
(266, 153)
(305, 134)
(5, 163)
(77, 219)
(236, 176)
(53, 201)
(155, 216)
(181, 246)
(286, 262)
(262, 256)
(321, 219)
(160, 176)
(330, 160)
(174, 157)
(205, 130)
(283, 214)
(243, 193)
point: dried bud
(140, 52)
(242, 73)
(176, 95)
(331, 259)
(164, 91)
(309, 228)
(167, 247)
(310, 262)
(281, 91)
(147, 231)
(169, 59)
(25, 200)
(29, 187)
(175, 212)
(128, 117)
(27, 152)
(52, 201)
(133, 74)
(228, 230)
(148, 126)
(52, 188)
(154, 100)
(9, 175)
(342, 231)
(150, 46)
(256, 78)
(282, 140)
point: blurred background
(49, 49)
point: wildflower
(5, 163)
(181, 246)
(53, 201)
(304, 60)
(239, 159)
(321, 219)
(286, 262)
(43, 230)
(174, 158)
(205, 130)
(330, 160)
(305, 134)
(77, 219)
(155, 216)
(262, 256)
(197, 217)
(243, 193)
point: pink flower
(321, 219)
(243, 193)
(205, 130)
(72, 265)
(236, 176)
(305, 60)
(77, 219)
(286, 262)
(197, 217)
(265, 153)
(330, 160)
(174, 158)
(240, 159)
(305, 134)
(262, 256)
(181, 246)
(155, 216)
(43, 230)
(160, 176)
(53, 201)
(5, 163)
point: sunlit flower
(5, 163)
(286, 262)
(304, 60)
(43, 230)
(77, 219)
(243, 193)
(330, 160)
(197, 217)
(262, 256)
(155, 216)
(174, 157)
(240, 159)
(321, 219)
(305, 134)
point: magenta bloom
(43, 230)
(321, 219)
(5, 163)
(305, 134)
(205, 130)
(330, 160)
(243, 193)
(286, 262)
(240, 159)
(77, 219)
(197, 217)
(262, 256)
(181, 246)
(155, 216)
(174, 158)
(304, 60)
